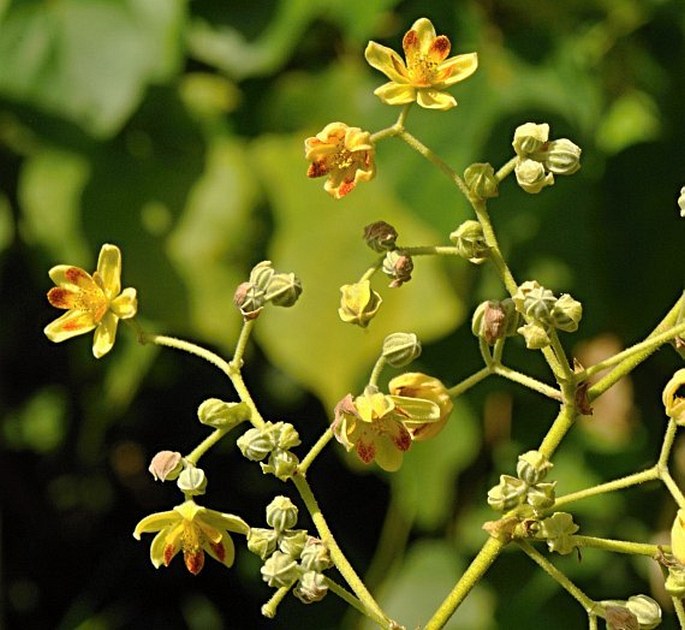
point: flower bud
(562, 157)
(192, 481)
(280, 570)
(493, 320)
(566, 313)
(293, 542)
(281, 514)
(262, 542)
(535, 335)
(283, 289)
(166, 465)
(541, 495)
(400, 349)
(532, 467)
(678, 537)
(359, 303)
(380, 236)
(674, 402)
(282, 464)
(481, 181)
(261, 275)
(681, 202)
(534, 301)
(223, 415)
(531, 176)
(647, 611)
(469, 240)
(618, 617)
(249, 299)
(315, 556)
(509, 493)
(558, 531)
(286, 435)
(311, 588)
(530, 138)
(398, 266)
(256, 444)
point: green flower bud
(400, 349)
(262, 542)
(192, 481)
(223, 415)
(293, 542)
(359, 303)
(541, 496)
(531, 176)
(469, 240)
(286, 435)
(674, 403)
(535, 302)
(647, 611)
(675, 581)
(311, 588)
(509, 493)
(380, 236)
(280, 570)
(481, 181)
(562, 157)
(535, 335)
(558, 531)
(256, 444)
(533, 467)
(493, 320)
(282, 464)
(681, 202)
(398, 266)
(249, 299)
(166, 465)
(281, 514)
(261, 275)
(530, 138)
(283, 289)
(315, 556)
(566, 313)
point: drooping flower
(359, 303)
(427, 70)
(373, 424)
(345, 154)
(192, 529)
(92, 302)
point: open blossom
(345, 154)
(92, 302)
(192, 529)
(427, 70)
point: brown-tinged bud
(166, 465)
(250, 299)
(312, 587)
(398, 266)
(380, 236)
(493, 320)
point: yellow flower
(192, 529)
(674, 397)
(421, 386)
(345, 154)
(427, 70)
(359, 303)
(93, 302)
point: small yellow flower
(192, 529)
(92, 302)
(345, 154)
(422, 386)
(674, 397)
(427, 70)
(359, 303)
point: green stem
(245, 331)
(314, 451)
(469, 382)
(527, 381)
(393, 130)
(587, 603)
(560, 427)
(431, 250)
(342, 564)
(475, 571)
(561, 356)
(651, 474)
(187, 346)
(269, 609)
(377, 369)
(617, 546)
(206, 444)
(506, 169)
(345, 595)
(679, 610)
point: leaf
(88, 62)
(319, 239)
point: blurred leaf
(631, 119)
(88, 61)
(425, 485)
(428, 573)
(40, 425)
(6, 223)
(320, 240)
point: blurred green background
(174, 129)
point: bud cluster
(290, 555)
(527, 487)
(544, 312)
(539, 159)
(266, 285)
(272, 442)
(170, 465)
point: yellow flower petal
(155, 522)
(69, 325)
(432, 99)
(109, 270)
(396, 93)
(455, 69)
(424, 33)
(125, 305)
(105, 334)
(678, 537)
(387, 61)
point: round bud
(192, 481)
(280, 570)
(293, 542)
(562, 157)
(509, 493)
(470, 242)
(566, 313)
(533, 466)
(398, 266)
(311, 588)
(256, 444)
(400, 349)
(281, 514)
(481, 181)
(530, 138)
(283, 289)
(281, 464)
(531, 176)
(380, 236)
(222, 415)
(262, 542)
(166, 465)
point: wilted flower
(92, 302)
(192, 529)
(345, 154)
(427, 71)
(359, 303)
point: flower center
(343, 157)
(422, 70)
